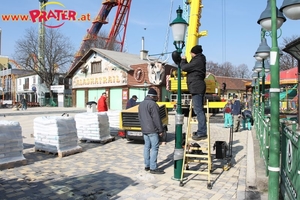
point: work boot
(199, 137)
(156, 171)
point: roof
(233, 83)
(16, 72)
(121, 59)
(293, 48)
(290, 74)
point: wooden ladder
(197, 154)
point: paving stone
(116, 171)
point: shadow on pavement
(101, 185)
(170, 138)
(33, 156)
(27, 146)
(166, 163)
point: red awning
(286, 74)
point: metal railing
(262, 128)
(289, 151)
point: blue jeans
(198, 109)
(151, 150)
(24, 106)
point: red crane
(118, 27)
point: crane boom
(94, 30)
(194, 24)
(121, 18)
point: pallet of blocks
(11, 145)
(93, 127)
(114, 121)
(56, 135)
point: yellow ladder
(192, 153)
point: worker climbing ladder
(197, 152)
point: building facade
(35, 91)
(120, 75)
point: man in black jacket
(196, 72)
(131, 102)
(152, 128)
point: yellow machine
(130, 127)
(212, 86)
(129, 123)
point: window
(33, 80)
(41, 80)
(68, 83)
(26, 85)
(96, 67)
(20, 82)
(60, 80)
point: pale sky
(233, 32)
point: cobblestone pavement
(115, 170)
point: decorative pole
(274, 162)
(277, 20)
(179, 26)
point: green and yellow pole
(274, 152)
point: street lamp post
(271, 19)
(253, 95)
(179, 26)
(265, 69)
(257, 69)
(262, 68)
(255, 77)
(262, 53)
(145, 87)
(274, 159)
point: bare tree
(98, 41)
(212, 67)
(242, 71)
(95, 41)
(217, 69)
(227, 69)
(58, 54)
(286, 60)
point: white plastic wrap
(55, 133)
(11, 142)
(93, 126)
(114, 120)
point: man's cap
(152, 92)
(134, 96)
(103, 93)
(197, 49)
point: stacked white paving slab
(11, 144)
(93, 126)
(114, 120)
(56, 134)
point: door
(80, 95)
(139, 92)
(95, 94)
(115, 99)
